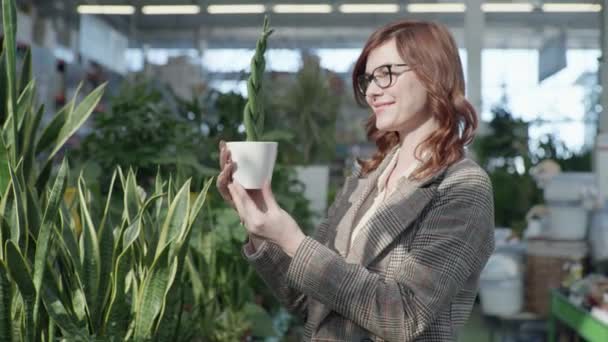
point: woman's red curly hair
(431, 51)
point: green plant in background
(253, 114)
(143, 131)
(308, 107)
(507, 156)
(116, 266)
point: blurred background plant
(507, 155)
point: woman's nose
(373, 90)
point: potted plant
(254, 157)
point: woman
(399, 254)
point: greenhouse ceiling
(327, 24)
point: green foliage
(80, 270)
(507, 155)
(308, 107)
(141, 130)
(253, 113)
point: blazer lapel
(364, 186)
(391, 218)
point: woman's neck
(411, 139)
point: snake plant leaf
(51, 131)
(6, 299)
(3, 89)
(24, 106)
(199, 202)
(17, 217)
(67, 322)
(9, 22)
(77, 117)
(22, 275)
(116, 318)
(131, 197)
(253, 113)
(45, 233)
(5, 176)
(26, 70)
(31, 127)
(89, 252)
(154, 292)
(34, 213)
(176, 219)
(106, 253)
(43, 177)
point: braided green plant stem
(254, 109)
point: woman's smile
(381, 106)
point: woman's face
(398, 107)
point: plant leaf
(6, 299)
(9, 22)
(176, 220)
(153, 294)
(22, 275)
(45, 234)
(77, 117)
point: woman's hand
(264, 218)
(225, 176)
(227, 168)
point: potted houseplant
(254, 157)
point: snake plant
(254, 108)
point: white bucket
(566, 221)
(501, 297)
(501, 285)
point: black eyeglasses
(382, 76)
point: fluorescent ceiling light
(300, 8)
(436, 8)
(507, 7)
(170, 9)
(235, 9)
(106, 9)
(369, 8)
(571, 7)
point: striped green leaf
(50, 295)
(6, 299)
(153, 294)
(26, 70)
(5, 175)
(89, 252)
(44, 236)
(77, 117)
(31, 128)
(9, 22)
(17, 217)
(22, 275)
(176, 221)
(117, 311)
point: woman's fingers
(248, 211)
(237, 201)
(224, 154)
(225, 176)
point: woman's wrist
(255, 241)
(291, 245)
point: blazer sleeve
(454, 241)
(272, 264)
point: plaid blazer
(411, 273)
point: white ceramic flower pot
(254, 162)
